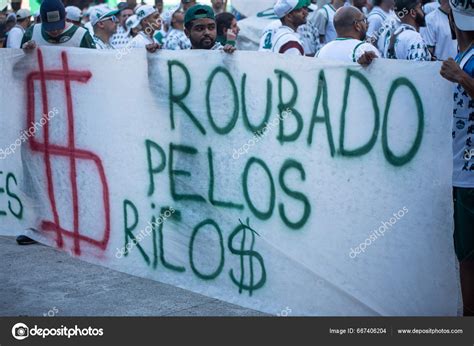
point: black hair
(224, 22)
(3, 29)
(404, 5)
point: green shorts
(464, 223)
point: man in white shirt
(122, 37)
(150, 21)
(382, 11)
(104, 22)
(292, 14)
(349, 46)
(437, 33)
(461, 72)
(325, 21)
(15, 35)
(267, 37)
(406, 42)
(176, 39)
(309, 33)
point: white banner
(279, 184)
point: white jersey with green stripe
(376, 18)
(330, 32)
(345, 50)
(267, 37)
(73, 40)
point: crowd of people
(128, 26)
(356, 31)
(346, 30)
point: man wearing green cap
(200, 28)
(292, 14)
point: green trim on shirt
(354, 51)
(222, 39)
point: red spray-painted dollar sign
(70, 152)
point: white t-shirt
(141, 40)
(376, 18)
(409, 45)
(121, 38)
(309, 34)
(463, 127)
(267, 37)
(325, 22)
(99, 44)
(287, 41)
(388, 27)
(438, 34)
(346, 50)
(15, 35)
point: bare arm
(452, 72)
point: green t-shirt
(86, 42)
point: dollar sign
(67, 151)
(242, 252)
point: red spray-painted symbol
(70, 152)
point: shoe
(24, 240)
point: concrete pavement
(38, 280)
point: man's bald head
(349, 22)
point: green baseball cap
(199, 12)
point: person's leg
(464, 243)
(467, 286)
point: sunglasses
(112, 18)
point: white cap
(73, 13)
(132, 22)
(463, 13)
(144, 11)
(100, 12)
(284, 7)
(23, 13)
(168, 15)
